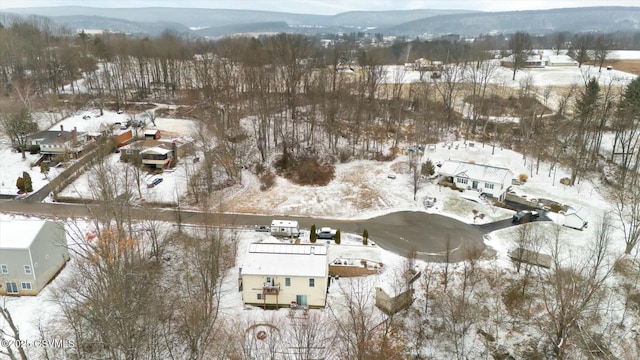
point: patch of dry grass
(630, 66)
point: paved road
(429, 235)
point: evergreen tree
(427, 168)
(365, 237)
(337, 236)
(28, 185)
(312, 234)
(20, 185)
(626, 124)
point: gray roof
(486, 173)
(52, 136)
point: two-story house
(281, 274)
(32, 252)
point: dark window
(312, 282)
(12, 288)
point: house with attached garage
(32, 253)
(279, 274)
(489, 180)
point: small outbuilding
(153, 134)
(32, 253)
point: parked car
(153, 182)
(263, 228)
(326, 233)
(524, 216)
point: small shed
(531, 257)
(153, 134)
(286, 228)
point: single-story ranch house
(490, 180)
(280, 274)
(32, 252)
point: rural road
(429, 235)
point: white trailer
(285, 228)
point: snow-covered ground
(549, 75)
(361, 189)
(388, 195)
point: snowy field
(550, 75)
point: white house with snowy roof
(32, 252)
(561, 60)
(281, 274)
(486, 179)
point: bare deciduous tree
(571, 292)
(11, 337)
(359, 324)
(520, 45)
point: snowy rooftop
(156, 150)
(485, 173)
(284, 223)
(276, 259)
(19, 234)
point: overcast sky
(329, 7)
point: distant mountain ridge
(220, 22)
(589, 19)
(192, 17)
